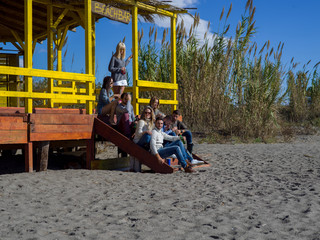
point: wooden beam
(59, 19)
(28, 155)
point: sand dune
(252, 191)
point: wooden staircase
(128, 146)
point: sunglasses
(147, 112)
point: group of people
(162, 134)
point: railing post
(88, 38)
(173, 58)
(135, 69)
(50, 51)
(28, 51)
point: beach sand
(251, 191)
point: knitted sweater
(157, 138)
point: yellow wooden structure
(51, 19)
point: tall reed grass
(227, 84)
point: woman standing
(117, 67)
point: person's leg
(124, 125)
(167, 151)
(110, 109)
(183, 150)
(144, 140)
(188, 136)
(165, 142)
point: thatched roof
(12, 15)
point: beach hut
(24, 23)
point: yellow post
(93, 56)
(135, 69)
(50, 51)
(59, 55)
(28, 51)
(88, 37)
(173, 59)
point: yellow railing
(59, 95)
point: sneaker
(173, 156)
(188, 169)
(195, 162)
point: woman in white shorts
(117, 67)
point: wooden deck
(43, 125)
(56, 126)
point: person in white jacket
(144, 127)
(157, 149)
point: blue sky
(293, 22)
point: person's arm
(139, 131)
(112, 67)
(181, 125)
(121, 109)
(170, 138)
(153, 143)
(104, 97)
(128, 60)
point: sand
(251, 191)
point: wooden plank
(13, 137)
(28, 157)
(59, 136)
(16, 119)
(61, 119)
(58, 111)
(11, 110)
(130, 147)
(111, 164)
(39, 128)
(13, 126)
(68, 143)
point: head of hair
(168, 117)
(123, 95)
(143, 116)
(120, 46)
(159, 118)
(177, 112)
(106, 83)
(153, 99)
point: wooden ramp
(130, 147)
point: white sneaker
(194, 162)
(173, 156)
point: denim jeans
(175, 149)
(144, 140)
(188, 136)
(185, 154)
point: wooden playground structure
(28, 22)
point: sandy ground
(251, 191)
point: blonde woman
(117, 67)
(145, 125)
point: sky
(292, 22)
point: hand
(174, 128)
(161, 160)
(178, 132)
